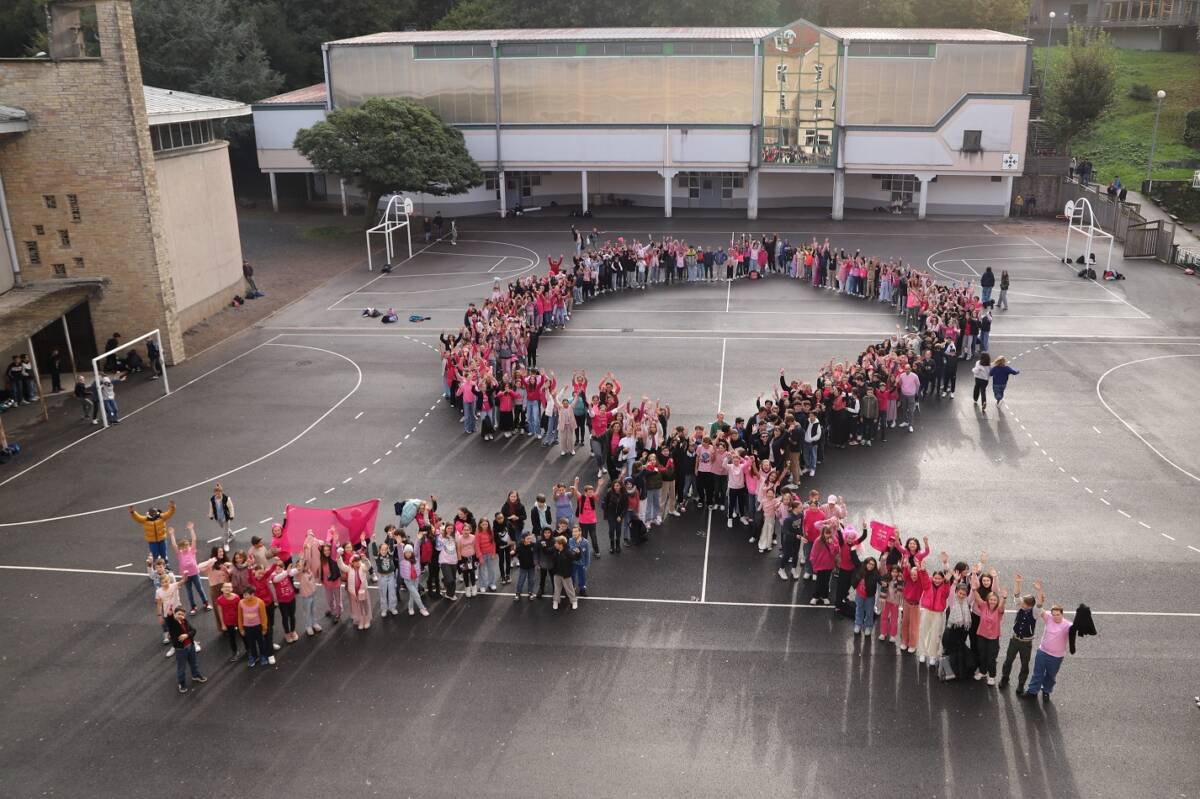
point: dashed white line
(331, 489)
(1105, 501)
(310, 500)
(127, 565)
(363, 469)
(376, 461)
(1051, 460)
(1074, 478)
(1022, 427)
(239, 530)
(347, 480)
(414, 429)
(1143, 524)
(360, 413)
(389, 452)
(1036, 444)
(405, 438)
(212, 540)
(264, 521)
(1097, 429)
(420, 421)
(1123, 513)
(1043, 451)
(1189, 546)
(1061, 469)
(1090, 491)
(1168, 537)
(398, 443)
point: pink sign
(352, 522)
(881, 535)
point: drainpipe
(8, 235)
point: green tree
(387, 145)
(22, 27)
(208, 48)
(1081, 84)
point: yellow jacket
(153, 529)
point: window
(172, 137)
(892, 50)
(64, 238)
(73, 204)
(78, 263)
(452, 51)
(972, 141)
(518, 50)
(50, 200)
(31, 250)
(643, 48)
(60, 270)
(39, 230)
(489, 180)
(900, 183)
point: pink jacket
(821, 559)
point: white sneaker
(812, 601)
(276, 647)
(991, 680)
(753, 538)
(198, 648)
(979, 675)
(170, 651)
(857, 630)
(912, 429)
(574, 606)
(920, 658)
(271, 660)
(883, 638)
(795, 573)
(411, 613)
(554, 606)
(729, 523)
(912, 649)
(316, 628)
(783, 576)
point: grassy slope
(1119, 144)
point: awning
(26, 310)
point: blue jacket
(1000, 374)
(584, 547)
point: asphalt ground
(692, 670)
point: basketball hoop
(1196, 179)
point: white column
(70, 349)
(1008, 181)
(667, 189)
(839, 194)
(274, 193)
(925, 178)
(503, 195)
(584, 189)
(752, 198)
(345, 206)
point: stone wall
(87, 153)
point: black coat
(1082, 625)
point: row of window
(892, 50)
(34, 255)
(180, 134)
(51, 202)
(577, 49)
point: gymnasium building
(908, 121)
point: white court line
(134, 411)
(704, 577)
(728, 294)
(1058, 260)
(1189, 546)
(239, 530)
(264, 521)
(360, 413)
(125, 565)
(213, 540)
(363, 469)
(376, 461)
(989, 230)
(310, 500)
(1090, 491)
(1105, 501)
(381, 274)
(347, 480)
(641, 600)
(332, 488)
(1143, 524)
(1123, 513)
(502, 260)
(1128, 426)
(968, 266)
(216, 477)
(1097, 429)
(1168, 537)
(1074, 478)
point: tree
(1081, 84)
(387, 145)
(208, 48)
(22, 27)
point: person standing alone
(184, 644)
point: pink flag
(352, 522)
(881, 535)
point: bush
(1191, 129)
(1140, 91)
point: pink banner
(881, 535)
(352, 522)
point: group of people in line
(750, 470)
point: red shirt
(228, 605)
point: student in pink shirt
(1048, 660)
(987, 635)
(935, 590)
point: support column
(274, 193)
(308, 187)
(37, 378)
(345, 206)
(752, 198)
(839, 194)
(503, 194)
(667, 189)
(1008, 189)
(584, 189)
(925, 178)
(70, 349)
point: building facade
(117, 199)
(909, 121)
(1169, 25)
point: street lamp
(1161, 95)
(1050, 32)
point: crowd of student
(750, 470)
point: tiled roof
(965, 35)
(164, 106)
(556, 35)
(13, 120)
(309, 95)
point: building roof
(965, 35)
(27, 309)
(556, 35)
(164, 106)
(13, 120)
(309, 95)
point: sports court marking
(277, 450)
(1130, 427)
(641, 600)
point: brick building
(116, 199)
